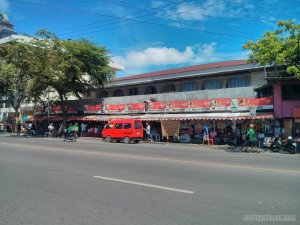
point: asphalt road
(46, 181)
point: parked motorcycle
(288, 145)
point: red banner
(114, 108)
(56, 109)
(136, 107)
(222, 104)
(71, 109)
(178, 105)
(200, 105)
(92, 108)
(157, 106)
(260, 103)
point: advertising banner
(56, 109)
(222, 104)
(92, 108)
(114, 108)
(157, 106)
(201, 105)
(136, 107)
(178, 106)
(258, 103)
(71, 109)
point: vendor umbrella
(25, 118)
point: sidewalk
(227, 148)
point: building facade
(6, 28)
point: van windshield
(108, 126)
(137, 125)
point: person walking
(251, 142)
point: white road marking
(145, 185)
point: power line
(129, 19)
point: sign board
(252, 111)
(178, 106)
(156, 107)
(201, 105)
(114, 108)
(222, 104)
(136, 107)
(92, 108)
(259, 103)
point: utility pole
(48, 108)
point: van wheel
(126, 140)
(108, 139)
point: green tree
(70, 67)
(14, 73)
(280, 48)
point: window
(104, 94)
(169, 88)
(188, 86)
(150, 90)
(127, 125)
(137, 125)
(212, 84)
(108, 126)
(118, 93)
(238, 82)
(119, 125)
(290, 92)
(133, 91)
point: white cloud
(4, 5)
(195, 11)
(157, 58)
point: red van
(125, 130)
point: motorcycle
(284, 145)
(70, 136)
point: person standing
(147, 130)
(191, 133)
(83, 130)
(19, 128)
(50, 129)
(251, 142)
(205, 134)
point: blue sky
(145, 35)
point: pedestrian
(50, 129)
(19, 128)
(147, 130)
(205, 134)
(251, 142)
(191, 133)
(83, 130)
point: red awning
(206, 116)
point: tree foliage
(280, 48)
(66, 67)
(15, 73)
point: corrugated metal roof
(184, 69)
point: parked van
(125, 130)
